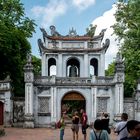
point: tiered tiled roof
(72, 36)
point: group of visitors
(101, 126)
(125, 130)
(76, 119)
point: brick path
(41, 134)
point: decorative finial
(119, 57)
(53, 31)
(29, 58)
(72, 32)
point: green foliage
(128, 30)
(37, 65)
(91, 30)
(111, 69)
(12, 15)
(15, 29)
(73, 105)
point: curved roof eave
(43, 49)
(46, 50)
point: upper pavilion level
(72, 42)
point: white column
(85, 45)
(29, 79)
(54, 98)
(95, 102)
(60, 44)
(101, 69)
(121, 88)
(29, 98)
(53, 104)
(59, 66)
(86, 65)
(119, 99)
(44, 66)
(92, 102)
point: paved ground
(41, 134)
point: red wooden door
(1, 113)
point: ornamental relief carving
(18, 111)
(129, 109)
(28, 77)
(102, 104)
(120, 78)
(44, 104)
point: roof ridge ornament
(72, 32)
(53, 31)
(119, 57)
(102, 33)
(106, 44)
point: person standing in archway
(84, 119)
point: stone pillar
(85, 45)
(101, 66)
(53, 104)
(60, 71)
(95, 103)
(28, 78)
(86, 66)
(119, 87)
(92, 102)
(44, 67)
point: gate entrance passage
(72, 102)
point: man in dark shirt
(105, 122)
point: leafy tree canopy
(111, 69)
(15, 30)
(127, 29)
(37, 65)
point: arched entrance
(72, 101)
(1, 113)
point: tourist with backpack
(133, 127)
(97, 133)
(120, 127)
